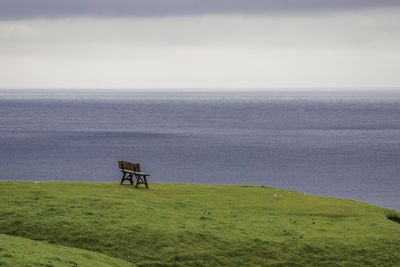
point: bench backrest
(126, 165)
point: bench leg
(128, 177)
(123, 177)
(141, 180)
(137, 181)
(131, 178)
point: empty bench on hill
(129, 170)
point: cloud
(31, 9)
(346, 49)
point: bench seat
(142, 173)
(134, 172)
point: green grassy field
(189, 225)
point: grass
(394, 216)
(197, 225)
(18, 251)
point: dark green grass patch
(194, 225)
(393, 216)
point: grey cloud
(30, 9)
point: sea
(342, 144)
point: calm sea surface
(333, 144)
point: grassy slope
(200, 225)
(18, 251)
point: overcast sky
(193, 44)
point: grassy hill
(19, 251)
(194, 225)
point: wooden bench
(129, 170)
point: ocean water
(341, 144)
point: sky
(195, 45)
